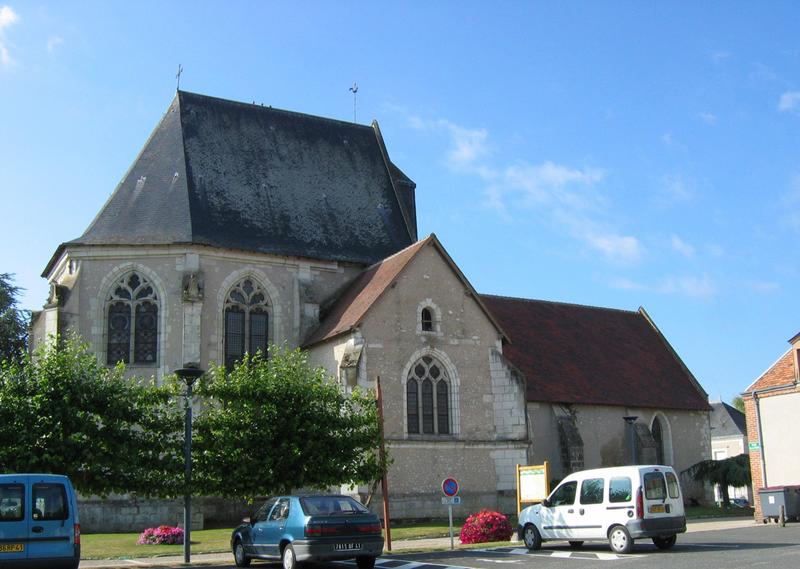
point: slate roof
(779, 374)
(350, 308)
(248, 177)
(727, 421)
(597, 356)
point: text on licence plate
(657, 509)
(11, 547)
(346, 546)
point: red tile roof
(599, 356)
(780, 373)
(350, 308)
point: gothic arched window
(428, 398)
(132, 321)
(246, 321)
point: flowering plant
(161, 535)
(485, 526)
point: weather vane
(354, 90)
(178, 76)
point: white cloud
(719, 56)
(682, 247)
(708, 118)
(696, 287)
(616, 248)
(53, 43)
(789, 102)
(7, 18)
(764, 287)
(674, 190)
(466, 145)
(548, 183)
(564, 195)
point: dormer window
(427, 320)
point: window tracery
(132, 321)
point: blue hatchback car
(295, 529)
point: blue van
(39, 524)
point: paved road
(710, 545)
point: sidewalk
(398, 546)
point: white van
(619, 504)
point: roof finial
(354, 90)
(178, 77)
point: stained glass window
(246, 321)
(428, 398)
(132, 322)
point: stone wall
(119, 514)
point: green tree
(738, 403)
(271, 425)
(13, 320)
(63, 412)
(733, 471)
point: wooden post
(385, 478)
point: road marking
(560, 553)
(716, 545)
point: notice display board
(533, 484)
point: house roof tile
(582, 354)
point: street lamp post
(189, 374)
(629, 421)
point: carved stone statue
(192, 287)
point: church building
(240, 225)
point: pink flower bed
(486, 526)
(162, 535)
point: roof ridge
(275, 109)
(610, 309)
(766, 371)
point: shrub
(162, 535)
(486, 526)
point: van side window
(672, 485)
(49, 502)
(654, 487)
(619, 490)
(564, 494)
(11, 502)
(592, 491)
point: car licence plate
(657, 509)
(11, 547)
(346, 546)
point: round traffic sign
(450, 486)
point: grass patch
(123, 545)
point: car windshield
(331, 506)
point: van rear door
(13, 519)
(657, 501)
(51, 520)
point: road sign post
(450, 490)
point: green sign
(754, 445)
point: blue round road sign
(450, 487)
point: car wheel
(239, 556)
(620, 540)
(365, 562)
(665, 542)
(575, 544)
(531, 537)
(288, 558)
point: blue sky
(617, 154)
